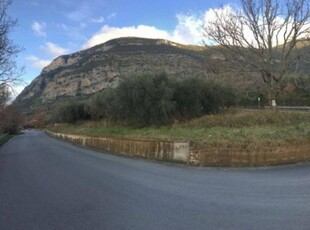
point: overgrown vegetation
(246, 129)
(11, 120)
(147, 100)
(295, 90)
(4, 139)
(10, 116)
(9, 71)
(264, 37)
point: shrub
(146, 100)
(218, 98)
(188, 97)
(105, 105)
(72, 112)
(11, 120)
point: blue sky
(49, 28)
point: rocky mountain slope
(103, 66)
(84, 73)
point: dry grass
(246, 129)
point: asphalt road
(49, 184)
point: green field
(246, 129)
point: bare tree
(10, 117)
(4, 96)
(11, 120)
(262, 37)
(9, 72)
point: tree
(105, 105)
(10, 116)
(262, 38)
(39, 119)
(4, 96)
(72, 112)
(11, 120)
(9, 72)
(188, 96)
(146, 99)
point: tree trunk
(272, 94)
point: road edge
(192, 153)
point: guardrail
(292, 108)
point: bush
(39, 120)
(105, 105)
(11, 120)
(70, 113)
(196, 96)
(188, 97)
(218, 98)
(146, 100)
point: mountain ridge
(103, 66)
(91, 70)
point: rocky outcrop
(103, 66)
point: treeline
(295, 90)
(11, 118)
(151, 100)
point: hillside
(89, 71)
(103, 66)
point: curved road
(48, 184)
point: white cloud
(97, 20)
(38, 28)
(37, 62)
(107, 33)
(74, 33)
(34, 3)
(80, 14)
(17, 90)
(54, 50)
(67, 3)
(14, 93)
(113, 15)
(63, 27)
(83, 25)
(187, 31)
(280, 35)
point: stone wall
(194, 153)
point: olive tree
(262, 37)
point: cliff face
(103, 66)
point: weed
(244, 129)
(4, 139)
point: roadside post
(274, 104)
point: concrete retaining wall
(151, 149)
(194, 153)
(238, 157)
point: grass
(4, 139)
(255, 129)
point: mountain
(84, 73)
(89, 71)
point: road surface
(49, 184)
